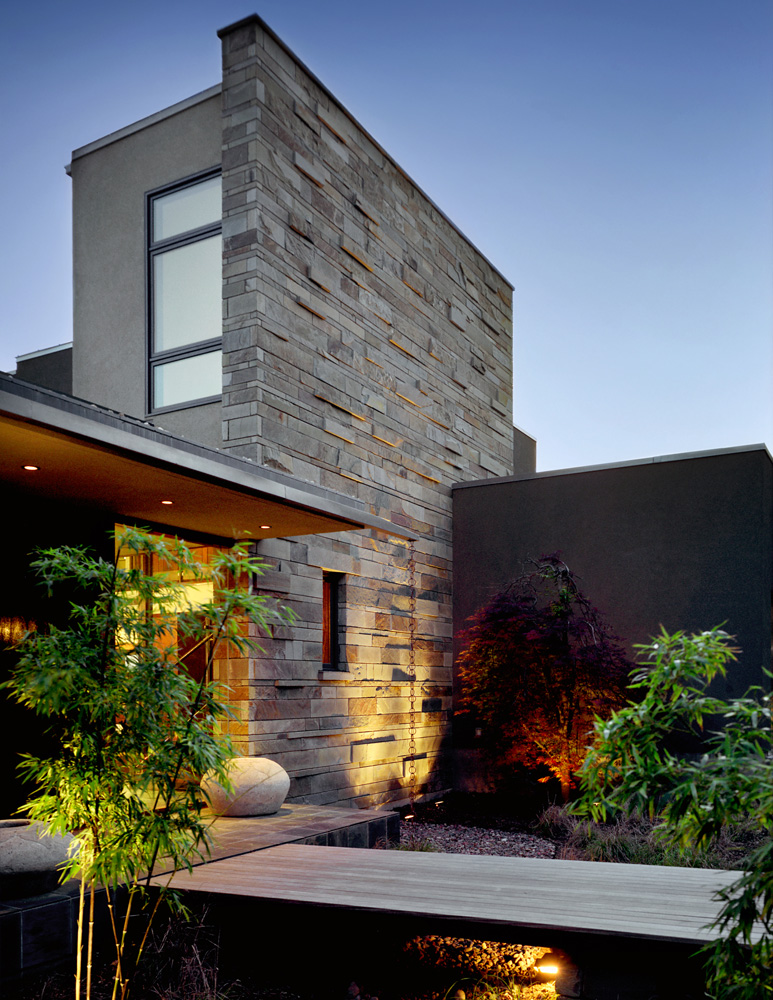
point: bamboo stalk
(118, 967)
(90, 943)
(79, 945)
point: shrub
(134, 730)
(632, 770)
(633, 839)
(539, 664)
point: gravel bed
(452, 839)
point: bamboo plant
(133, 729)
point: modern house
(278, 331)
(279, 336)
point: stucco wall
(110, 180)
(686, 543)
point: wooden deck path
(641, 902)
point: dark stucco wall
(685, 542)
(51, 369)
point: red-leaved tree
(539, 665)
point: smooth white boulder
(260, 786)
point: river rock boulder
(260, 786)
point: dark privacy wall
(684, 542)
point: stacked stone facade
(367, 349)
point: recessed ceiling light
(167, 503)
(265, 527)
(31, 468)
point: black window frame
(332, 598)
(155, 359)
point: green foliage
(135, 731)
(632, 769)
(538, 666)
(631, 839)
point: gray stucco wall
(686, 543)
(109, 187)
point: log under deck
(547, 898)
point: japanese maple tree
(539, 665)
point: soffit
(126, 472)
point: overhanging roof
(125, 467)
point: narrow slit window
(332, 587)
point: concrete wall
(110, 180)
(684, 542)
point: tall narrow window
(185, 293)
(331, 603)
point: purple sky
(613, 158)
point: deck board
(636, 901)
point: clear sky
(613, 158)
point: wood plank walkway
(641, 902)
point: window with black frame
(332, 587)
(185, 293)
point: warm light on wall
(31, 468)
(13, 629)
(167, 503)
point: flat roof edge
(43, 351)
(107, 429)
(655, 460)
(143, 123)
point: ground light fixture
(547, 968)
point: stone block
(324, 275)
(378, 748)
(46, 931)
(357, 835)
(335, 121)
(457, 317)
(314, 173)
(10, 942)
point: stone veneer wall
(367, 348)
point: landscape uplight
(547, 966)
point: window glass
(180, 381)
(189, 208)
(187, 290)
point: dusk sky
(612, 158)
